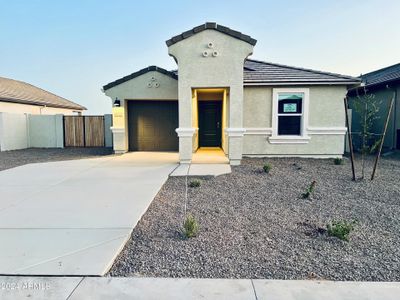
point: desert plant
(367, 107)
(190, 226)
(267, 167)
(310, 190)
(338, 161)
(340, 229)
(194, 183)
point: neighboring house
(220, 98)
(21, 97)
(383, 84)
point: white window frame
(304, 137)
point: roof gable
(24, 93)
(139, 73)
(212, 26)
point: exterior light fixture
(117, 102)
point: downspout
(43, 107)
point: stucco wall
(223, 70)
(138, 88)
(13, 131)
(152, 85)
(21, 131)
(326, 122)
(107, 130)
(33, 109)
(45, 131)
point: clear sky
(72, 48)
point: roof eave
(20, 101)
(272, 83)
(374, 86)
(212, 26)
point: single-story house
(21, 97)
(384, 84)
(219, 97)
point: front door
(210, 123)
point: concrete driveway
(73, 217)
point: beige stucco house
(220, 98)
(21, 97)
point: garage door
(152, 125)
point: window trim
(290, 139)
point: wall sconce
(117, 102)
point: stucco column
(119, 129)
(185, 131)
(235, 131)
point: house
(21, 97)
(383, 84)
(221, 98)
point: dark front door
(398, 139)
(210, 123)
(152, 125)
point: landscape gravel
(257, 225)
(15, 158)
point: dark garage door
(152, 125)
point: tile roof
(257, 72)
(265, 73)
(21, 92)
(138, 73)
(381, 76)
(213, 26)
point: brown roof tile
(21, 92)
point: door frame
(218, 111)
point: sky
(72, 48)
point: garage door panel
(152, 125)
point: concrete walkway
(201, 170)
(207, 161)
(76, 288)
(73, 217)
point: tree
(367, 108)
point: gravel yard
(256, 225)
(15, 158)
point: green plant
(310, 190)
(338, 161)
(194, 183)
(367, 108)
(267, 167)
(190, 226)
(340, 229)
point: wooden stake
(350, 139)
(383, 138)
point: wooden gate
(84, 131)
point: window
(290, 113)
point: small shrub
(338, 161)
(267, 167)
(190, 227)
(194, 183)
(340, 229)
(310, 190)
